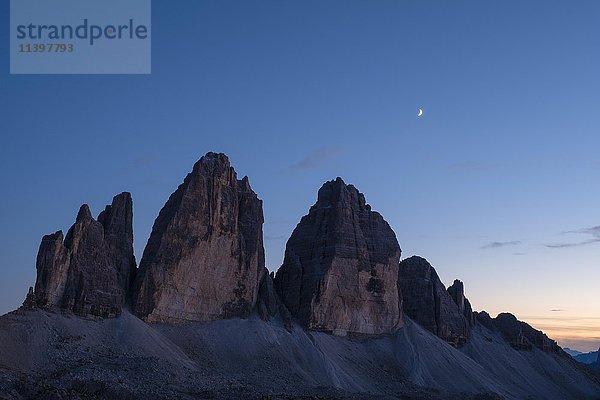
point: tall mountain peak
(340, 268)
(205, 257)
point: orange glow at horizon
(578, 333)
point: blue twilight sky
(504, 162)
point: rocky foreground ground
(45, 355)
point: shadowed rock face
(512, 331)
(485, 320)
(341, 265)
(30, 302)
(117, 220)
(90, 271)
(267, 303)
(457, 292)
(205, 257)
(523, 336)
(426, 301)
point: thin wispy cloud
(561, 318)
(593, 231)
(557, 310)
(140, 162)
(497, 245)
(567, 329)
(146, 160)
(317, 158)
(567, 245)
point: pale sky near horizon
(497, 184)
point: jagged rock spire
(88, 271)
(427, 302)
(457, 292)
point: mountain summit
(341, 265)
(205, 257)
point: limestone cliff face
(117, 220)
(427, 302)
(89, 271)
(205, 257)
(341, 266)
(457, 292)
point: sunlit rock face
(89, 271)
(426, 301)
(205, 257)
(341, 266)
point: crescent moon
(420, 114)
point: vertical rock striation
(427, 302)
(205, 257)
(341, 265)
(267, 302)
(117, 220)
(88, 272)
(457, 292)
